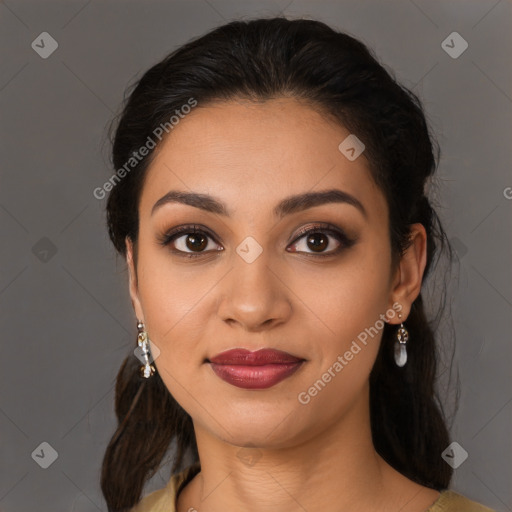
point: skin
(313, 457)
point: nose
(254, 295)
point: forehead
(247, 153)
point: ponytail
(148, 418)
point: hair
(336, 74)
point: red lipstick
(254, 370)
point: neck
(337, 465)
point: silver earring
(148, 370)
(402, 336)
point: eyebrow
(287, 206)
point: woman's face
(254, 281)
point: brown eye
(321, 240)
(317, 242)
(188, 241)
(196, 241)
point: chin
(267, 432)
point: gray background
(67, 321)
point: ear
(409, 275)
(133, 285)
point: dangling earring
(148, 370)
(402, 336)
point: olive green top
(164, 500)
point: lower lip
(255, 377)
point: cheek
(170, 293)
(355, 296)
(350, 296)
(342, 362)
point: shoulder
(157, 501)
(164, 500)
(451, 501)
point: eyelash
(323, 228)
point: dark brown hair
(338, 75)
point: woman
(271, 201)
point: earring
(402, 336)
(147, 370)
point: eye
(185, 238)
(319, 238)
(192, 241)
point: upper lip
(241, 356)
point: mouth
(254, 370)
